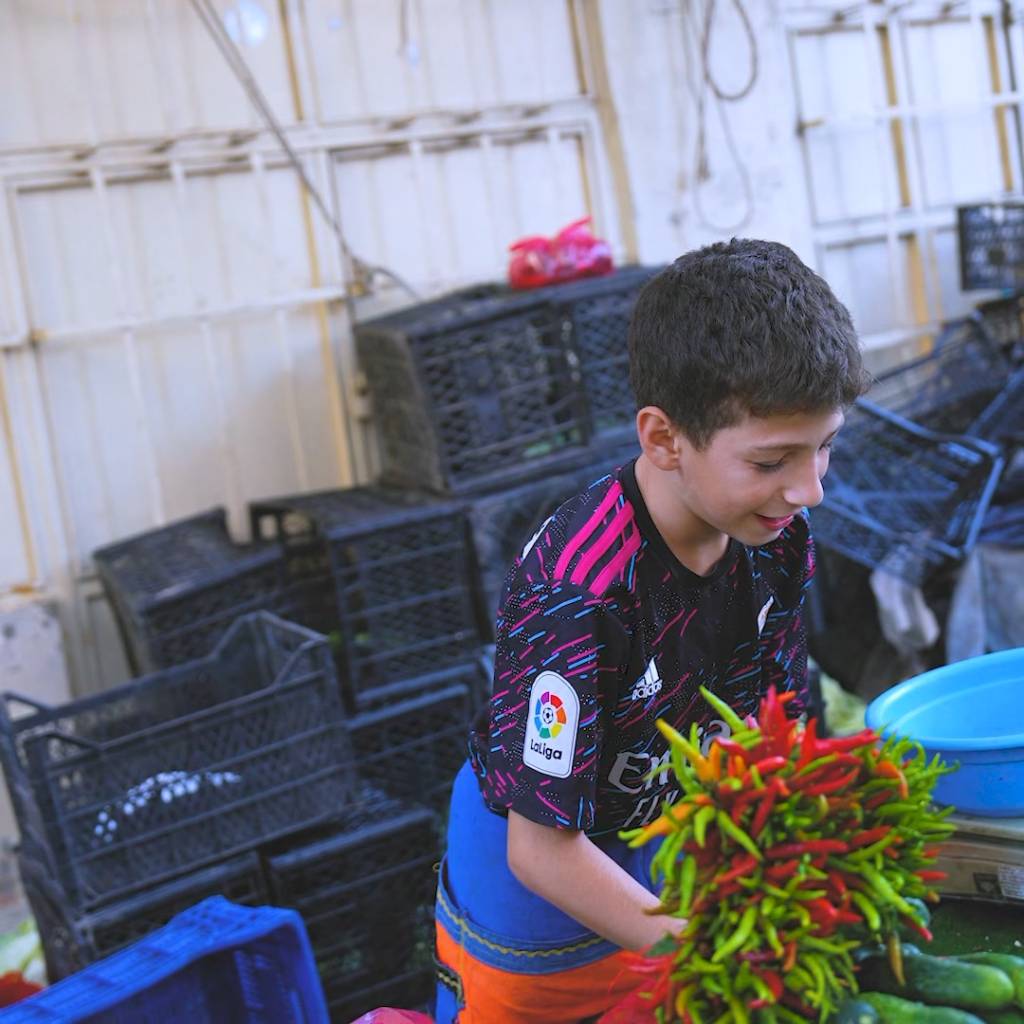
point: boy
(687, 567)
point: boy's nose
(805, 490)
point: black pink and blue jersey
(601, 632)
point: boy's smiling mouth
(779, 523)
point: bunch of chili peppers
(785, 853)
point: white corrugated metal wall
(173, 314)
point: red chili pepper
(758, 1004)
(743, 864)
(743, 801)
(771, 764)
(764, 809)
(836, 881)
(931, 852)
(919, 928)
(927, 875)
(806, 846)
(877, 799)
(844, 916)
(789, 962)
(824, 915)
(869, 836)
(780, 872)
(773, 981)
(737, 749)
(842, 782)
(847, 743)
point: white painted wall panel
(88, 70)
(447, 215)
(959, 156)
(850, 158)
(655, 74)
(862, 275)
(455, 54)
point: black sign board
(991, 246)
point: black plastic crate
(176, 590)
(504, 521)
(904, 498)
(598, 312)
(951, 389)
(403, 575)
(70, 941)
(366, 896)
(182, 768)
(472, 386)
(991, 243)
(412, 746)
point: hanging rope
(365, 273)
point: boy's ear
(659, 437)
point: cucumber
(941, 982)
(1011, 1015)
(856, 1011)
(1006, 962)
(894, 1010)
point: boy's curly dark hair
(741, 327)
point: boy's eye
(770, 467)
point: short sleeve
(560, 654)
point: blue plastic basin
(971, 712)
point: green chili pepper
(738, 937)
(738, 835)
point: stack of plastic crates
(471, 387)
(903, 498)
(968, 384)
(403, 578)
(366, 894)
(1003, 320)
(175, 591)
(214, 963)
(489, 387)
(597, 314)
(122, 797)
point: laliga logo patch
(551, 728)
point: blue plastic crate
(72, 941)
(215, 963)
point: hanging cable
(697, 31)
(730, 97)
(365, 273)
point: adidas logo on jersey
(648, 684)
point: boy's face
(753, 477)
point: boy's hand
(568, 870)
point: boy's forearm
(568, 870)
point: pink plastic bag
(386, 1015)
(573, 253)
